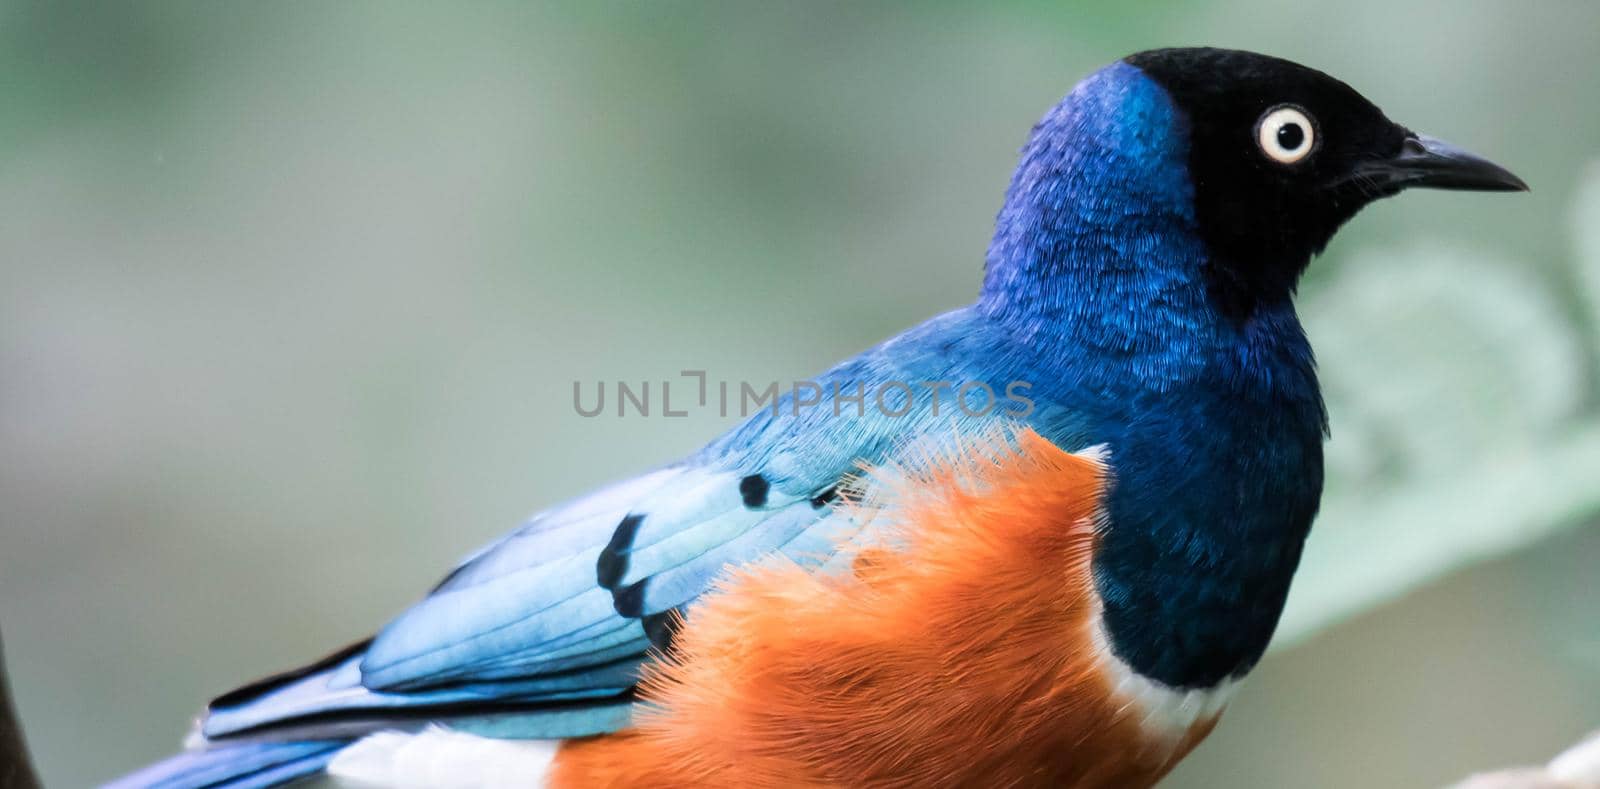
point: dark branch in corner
(16, 769)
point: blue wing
(543, 633)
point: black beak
(1436, 164)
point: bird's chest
(1210, 506)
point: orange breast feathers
(961, 650)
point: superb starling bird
(1144, 523)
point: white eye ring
(1286, 134)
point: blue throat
(1215, 421)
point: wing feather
(532, 623)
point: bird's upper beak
(1429, 162)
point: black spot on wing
(663, 628)
(825, 498)
(629, 600)
(754, 490)
(613, 561)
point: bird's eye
(1286, 134)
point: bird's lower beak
(1428, 162)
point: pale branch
(1577, 767)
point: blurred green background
(292, 297)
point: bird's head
(1263, 158)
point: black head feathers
(1280, 155)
